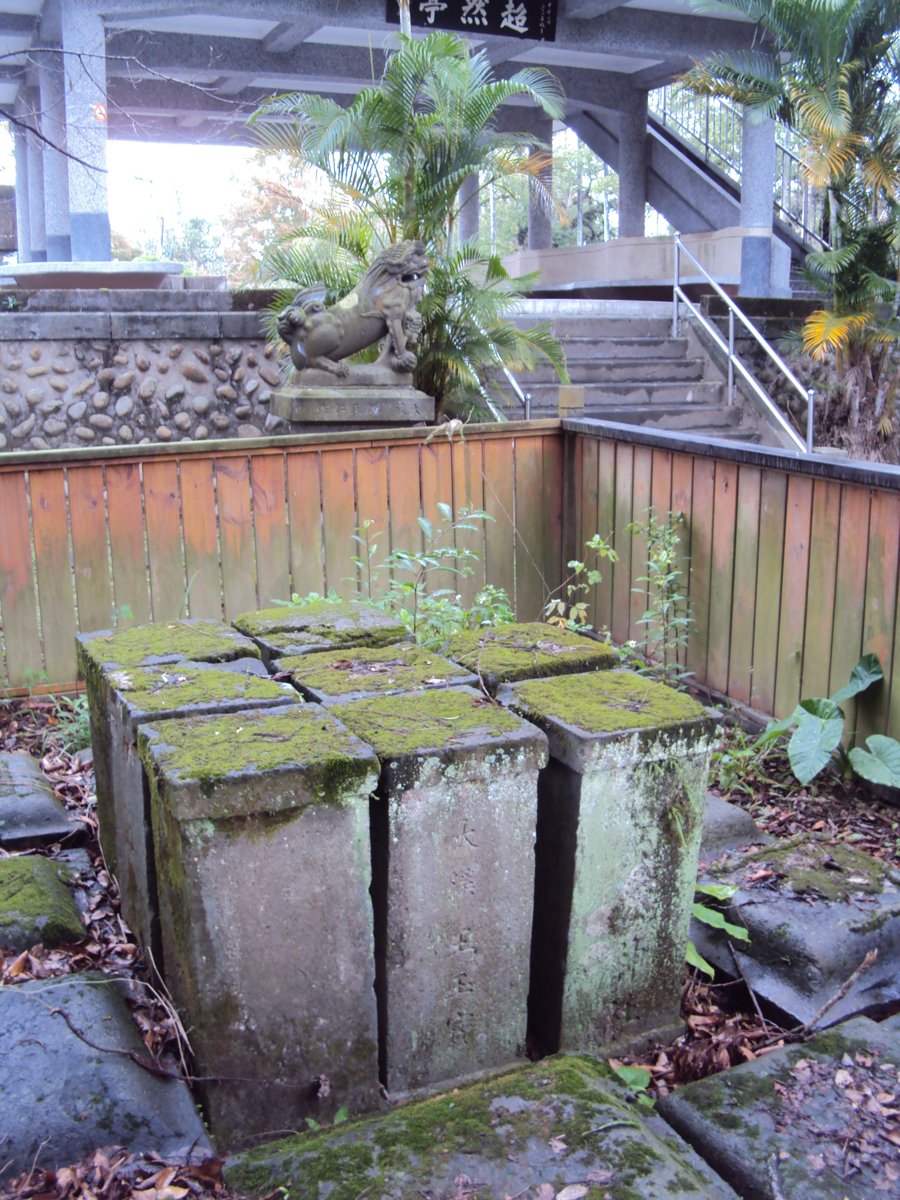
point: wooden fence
(792, 568)
(212, 532)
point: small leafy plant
(816, 727)
(71, 725)
(705, 913)
(567, 605)
(667, 618)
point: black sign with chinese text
(534, 20)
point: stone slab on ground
(322, 625)
(530, 1133)
(804, 1122)
(813, 910)
(35, 904)
(507, 653)
(61, 1099)
(30, 814)
(728, 827)
(349, 674)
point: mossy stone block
(30, 813)
(261, 839)
(306, 628)
(620, 816)
(35, 904)
(370, 671)
(453, 879)
(507, 653)
(163, 642)
(563, 1121)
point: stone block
(62, 1098)
(241, 325)
(339, 675)
(35, 904)
(620, 814)
(802, 1122)
(30, 814)
(141, 325)
(813, 909)
(127, 699)
(54, 326)
(358, 407)
(562, 1127)
(261, 833)
(305, 628)
(453, 879)
(507, 653)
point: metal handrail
(734, 363)
(524, 398)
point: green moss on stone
(140, 645)
(211, 748)
(403, 668)
(817, 867)
(336, 623)
(507, 653)
(35, 905)
(159, 689)
(610, 702)
(428, 721)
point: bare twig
(868, 962)
(750, 991)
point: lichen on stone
(607, 702)
(400, 668)
(426, 721)
(34, 899)
(507, 653)
(813, 866)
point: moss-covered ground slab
(561, 1122)
(813, 909)
(371, 671)
(808, 1122)
(185, 689)
(507, 653)
(164, 642)
(35, 904)
(301, 629)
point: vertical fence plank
(722, 589)
(87, 514)
(554, 494)
(499, 501)
(793, 615)
(530, 585)
(624, 513)
(54, 577)
(372, 506)
(270, 526)
(881, 600)
(661, 487)
(124, 503)
(680, 501)
(702, 493)
(163, 507)
(201, 538)
(600, 600)
(236, 536)
(468, 492)
(437, 478)
(850, 590)
(823, 552)
(405, 500)
(769, 572)
(606, 524)
(743, 608)
(339, 517)
(18, 599)
(641, 500)
(304, 475)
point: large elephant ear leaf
(866, 672)
(820, 725)
(880, 763)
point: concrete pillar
(633, 167)
(23, 206)
(757, 187)
(36, 199)
(84, 67)
(56, 165)
(539, 216)
(468, 200)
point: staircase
(627, 367)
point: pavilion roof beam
(582, 10)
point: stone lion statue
(382, 306)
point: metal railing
(734, 363)
(714, 127)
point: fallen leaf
(557, 1145)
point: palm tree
(829, 70)
(395, 160)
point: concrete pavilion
(76, 72)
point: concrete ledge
(92, 274)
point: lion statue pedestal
(327, 391)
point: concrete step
(546, 395)
(670, 416)
(609, 326)
(621, 370)
(577, 346)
